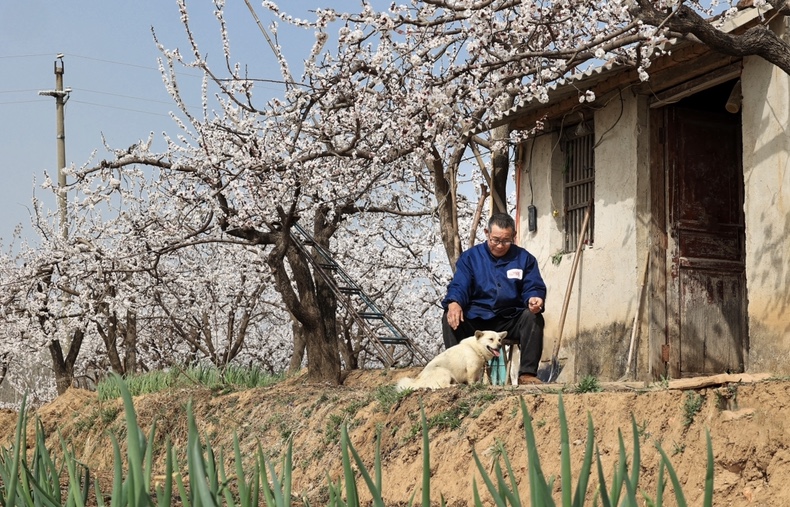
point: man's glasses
(503, 242)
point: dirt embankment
(747, 424)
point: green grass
(642, 431)
(388, 396)
(691, 405)
(226, 379)
(101, 415)
(332, 429)
(450, 419)
(588, 384)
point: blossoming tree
(375, 131)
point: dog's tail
(404, 383)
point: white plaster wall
(609, 273)
(766, 162)
(543, 242)
(536, 187)
(606, 283)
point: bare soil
(747, 422)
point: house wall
(597, 328)
(605, 294)
(766, 162)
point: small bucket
(498, 371)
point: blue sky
(110, 65)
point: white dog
(462, 364)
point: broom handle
(564, 311)
(635, 327)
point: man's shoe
(526, 378)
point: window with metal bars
(579, 187)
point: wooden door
(706, 282)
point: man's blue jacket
(486, 286)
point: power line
(96, 91)
(118, 108)
(2, 57)
(21, 102)
(156, 69)
(83, 57)
(95, 105)
(146, 67)
(143, 99)
(19, 91)
(124, 96)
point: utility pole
(63, 364)
(61, 96)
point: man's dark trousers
(526, 327)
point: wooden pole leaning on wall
(555, 366)
(635, 327)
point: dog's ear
(478, 334)
(502, 335)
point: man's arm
(460, 286)
(534, 289)
(458, 291)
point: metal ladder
(391, 344)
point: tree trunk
(323, 359)
(110, 338)
(130, 343)
(63, 375)
(310, 303)
(300, 341)
(758, 40)
(478, 212)
(347, 341)
(445, 190)
(500, 165)
(324, 344)
(64, 366)
(3, 367)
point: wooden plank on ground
(679, 384)
(716, 380)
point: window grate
(579, 188)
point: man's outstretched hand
(455, 315)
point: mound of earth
(745, 416)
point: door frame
(664, 347)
